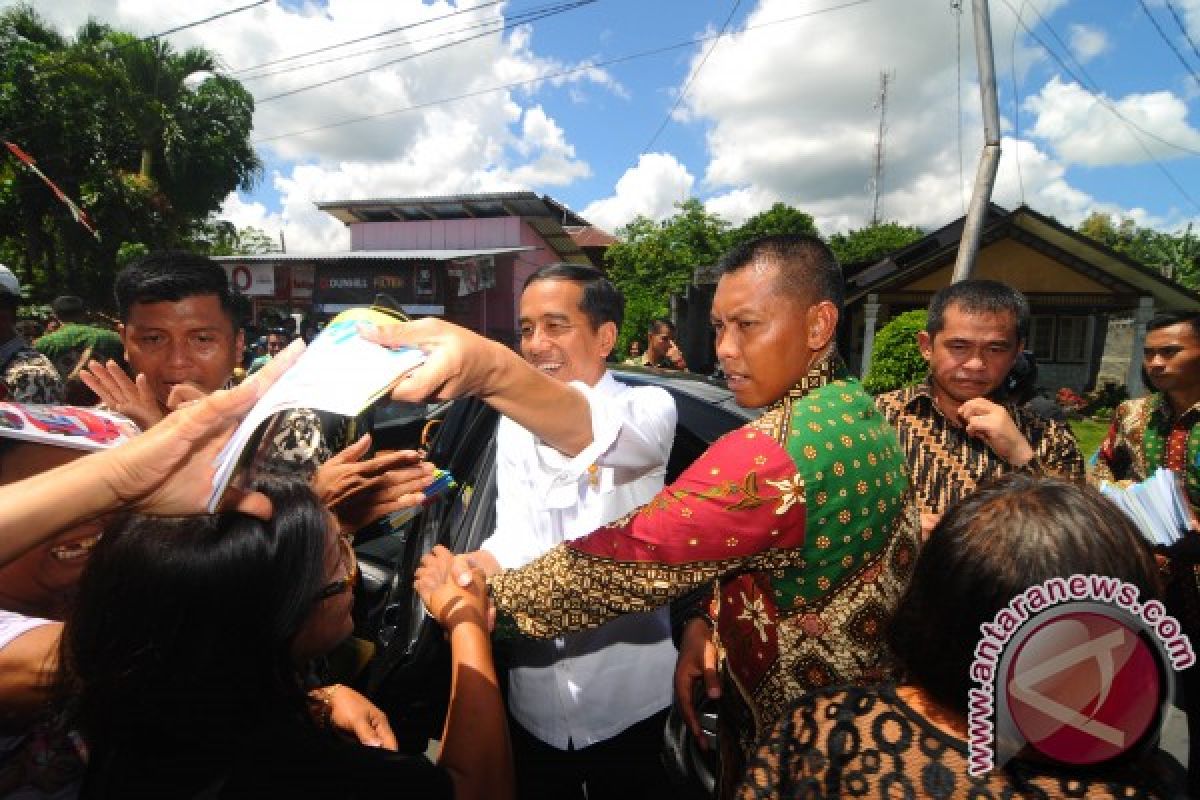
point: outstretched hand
(457, 362)
(168, 470)
(359, 492)
(133, 398)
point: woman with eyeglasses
(182, 665)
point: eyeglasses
(349, 562)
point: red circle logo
(1084, 687)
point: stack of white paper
(340, 372)
(1156, 505)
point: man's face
(972, 354)
(275, 343)
(1172, 358)
(763, 340)
(188, 341)
(558, 338)
(658, 342)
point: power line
(956, 9)
(1163, 35)
(561, 9)
(490, 23)
(549, 76)
(688, 83)
(1108, 104)
(205, 20)
(327, 48)
(1183, 28)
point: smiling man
(587, 708)
(797, 521)
(959, 427)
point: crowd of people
(820, 574)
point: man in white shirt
(588, 708)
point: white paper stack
(1156, 505)
(340, 372)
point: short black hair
(659, 323)
(979, 296)
(1008, 535)
(171, 276)
(602, 301)
(807, 267)
(1168, 318)
(69, 308)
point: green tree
(1175, 256)
(779, 218)
(872, 242)
(896, 360)
(109, 118)
(653, 260)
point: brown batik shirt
(945, 463)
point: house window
(1041, 337)
(1072, 340)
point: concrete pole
(872, 312)
(1133, 378)
(989, 160)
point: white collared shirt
(589, 686)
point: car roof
(693, 387)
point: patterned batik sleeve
(1111, 462)
(740, 506)
(1058, 453)
(777, 767)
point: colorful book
(65, 426)
(340, 372)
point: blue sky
(783, 109)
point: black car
(409, 675)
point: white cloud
(491, 140)
(652, 188)
(1087, 42)
(1082, 130)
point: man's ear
(925, 345)
(608, 337)
(821, 322)
(123, 332)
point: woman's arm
(475, 747)
(166, 470)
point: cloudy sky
(625, 107)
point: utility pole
(989, 159)
(877, 176)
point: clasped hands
(454, 587)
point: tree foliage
(872, 242)
(896, 360)
(779, 218)
(1174, 255)
(108, 117)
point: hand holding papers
(340, 372)
(1156, 505)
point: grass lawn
(1089, 434)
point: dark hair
(189, 620)
(993, 544)
(807, 267)
(69, 308)
(659, 323)
(601, 301)
(1168, 318)
(979, 297)
(172, 275)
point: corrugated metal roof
(453, 206)
(379, 255)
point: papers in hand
(1156, 505)
(443, 482)
(65, 426)
(340, 372)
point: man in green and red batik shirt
(1162, 430)
(799, 521)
